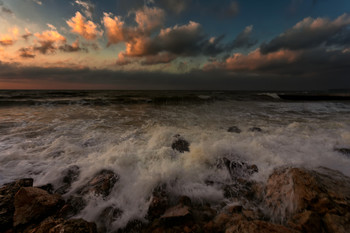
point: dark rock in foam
(234, 129)
(180, 144)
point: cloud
(26, 53)
(48, 41)
(309, 33)
(10, 38)
(233, 9)
(74, 47)
(174, 6)
(87, 29)
(27, 34)
(88, 7)
(244, 40)
(38, 2)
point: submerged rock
(344, 151)
(7, 195)
(306, 198)
(34, 204)
(234, 129)
(180, 144)
(72, 207)
(101, 184)
(255, 129)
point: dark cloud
(174, 6)
(74, 47)
(26, 53)
(5, 9)
(310, 33)
(244, 40)
(194, 80)
(27, 35)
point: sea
(42, 133)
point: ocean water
(44, 132)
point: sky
(175, 45)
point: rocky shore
(293, 200)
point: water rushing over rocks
(152, 165)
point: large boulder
(305, 198)
(7, 195)
(101, 184)
(34, 204)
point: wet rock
(107, 217)
(239, 169)
(310, 199)
(7, 195)
(292, 190)
(34, 204)
(70, 175)
(101, 184)
(134, 226)
(72, 207)
(234, 129)
(258, 226)
(307, 221)
(47, 187)
(255, 129)
(159, 203)
(337, 224)
(180, 144)
(344, 151)
(52, 225)
(179, 214)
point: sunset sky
(182, 44)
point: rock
(107, 217)
(179, 214)
(72, 207)
(178, 211)
(344, 151)
(47, 187)
(101, 184)
(337, 224)
(258, 226)
(159, 203)
(239, 169)
(307, 221)
(255, 129)
(51, 225)
(134, 226)
(234, 129)
(293, 190)
(7, 195)
(235, 209)
(70, 175)
(180, 144)
(34, 204)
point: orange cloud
(48, 41)
(149, 19)
(255, 60)
(9, 39)
(116, 32)
(87, 29)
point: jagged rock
(7, 195)
(70, 175)
(234, 129)
(258, 226)
(179, 214)
(101, 184)
(255, 129)
(344, 151)
(51, 225)
(34, 204)
(180, 144)
(134, 226)
(309, 197)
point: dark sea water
(131, 132)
